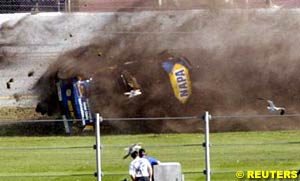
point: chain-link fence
(12, 6)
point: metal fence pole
(159, 3)
(58, 6)
(207, 145)
(98, 147)
(69, 6)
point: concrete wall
(30, 43)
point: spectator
(152, 161)
(139, 168)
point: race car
(71, 98)
(72, 95)
(74, 102)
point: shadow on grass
(107, 128)
(33, 129)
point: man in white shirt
(139, 168)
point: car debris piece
(133, 93)
(99, 53)
(7, 85)
(30, 73)
(17, 97)
(178, 70)
(129, 84)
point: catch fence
(35, 6)
(98, 147)
(99, 174)
(207, 144)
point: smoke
(5, 57)
(236, 56)
(3, 61)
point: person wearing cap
(139, 168)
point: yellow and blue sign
(179, 74)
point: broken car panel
(179, 74)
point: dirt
(18, 113)
(236, 59)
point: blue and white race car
(74, 103)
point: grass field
(20, 162)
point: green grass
(24, 163)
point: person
(139, 168)
(152, 161)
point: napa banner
(179, 74)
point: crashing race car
(73, 93)
(73, 103)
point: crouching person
(139, 168)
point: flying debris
(30, 74)
(273, 108)
(133, 93)
(17, 97)
(70, 35)
(179, 74)
(99, 53)
(11, 80)
(128, 84)
(7, 85)
(132, 148)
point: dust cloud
(237, 57)
(4, 57)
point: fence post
(159, 3)
(58, 6)
(98, 147)
(69, 6)
(207, 145)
